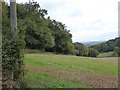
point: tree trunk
(13, 18)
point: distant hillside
(107, 54)
(107, 46)
(92, 43)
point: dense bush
(92, 52)
(12, 56)
(12, 52)
(82, 50)
(117, 51)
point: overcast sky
(87, 20)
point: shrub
(12, 59)
(117, 50)
(92, 52)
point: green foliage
(43, 33)
(38, 32)
(82, 50)
(107, 46)
(63, 44)
(92, 52)
(117, 51)
(12, 59)
(12, 51)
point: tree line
(49, 35)
(42, 33)
(110, 45)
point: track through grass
(45, 65)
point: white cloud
(87, 19)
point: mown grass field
(64, 71)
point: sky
(87, 20)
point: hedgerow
(12, 59)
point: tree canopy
(41, 32)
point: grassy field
(64, 71)
(107, 54)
